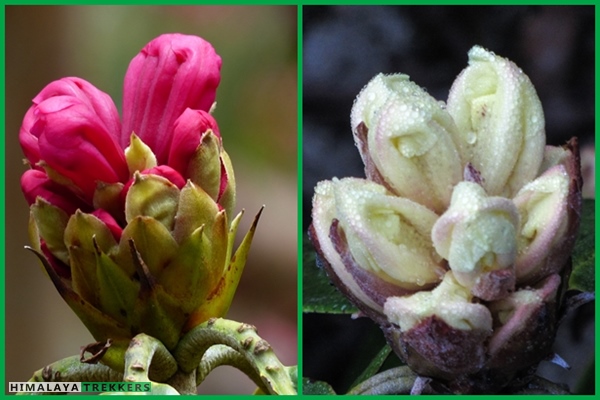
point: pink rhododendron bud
(171, 73)
(189, 130)
(135, 227)
(197, 153)
(28, 141)
(500, 122)
(35, 183)
(75, 144)
(101, 104)
(405, 139)
(478, 237)
(166, 172)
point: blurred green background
(256, 112)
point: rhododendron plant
(133, 218)
(459, 239)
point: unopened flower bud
(381, 229)
(478, 236)
(375, 243)
(543, 206)
(75, 146)
(171, 73)
(35, 183)
(449, 301)
(500, 234)
(86, 93)
(135, 227)
(500, 122)
(196, 148)
(407, 135)
(524, 326)
(441, 332)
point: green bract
(172, 267)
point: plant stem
(398, 380)
(71, 369)
(239, 346)
(148, 358)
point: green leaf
(316, 387)
(374, 365)
(583, 275)
(318, 294)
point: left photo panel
(151, 199)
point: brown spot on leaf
(97, 349)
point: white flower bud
(409, 140)
(449, 301)
(477, 235)
(500, 122)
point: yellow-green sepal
(193, 263)
(227, 199)
(218, 301)
(196, 208)
(107, 197)
(152, 240)
(51, 223)
(139, 155)
(83, 235)
(152, 196)
(201, 259)
(118, 290)
(205, 168)
(156, 313)
(100, 325)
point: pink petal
(75, 142)
(187, 134)
(35, 183)
(110, 222)
(171, 73)
(97, 100)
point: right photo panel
(448, 200)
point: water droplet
(471, 137)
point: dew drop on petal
(471, 137)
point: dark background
(345, 46)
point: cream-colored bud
(477, 234)
(500, 122)
(543, 207)
(386, 234)
(449, 301)
(409, 139)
